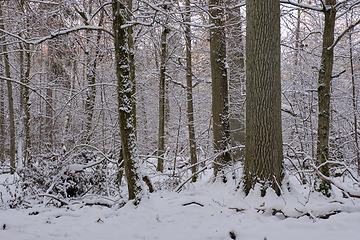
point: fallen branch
(330, 180)
(187, 180)
(63, 202)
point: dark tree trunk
(2, 114)
(125, 101)
(189, 92)
(162, 100)
(324, 82)
(263, 152)
(131, 44)
(25, 100)
(220, 98)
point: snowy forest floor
(202, 211)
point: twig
(196, 203)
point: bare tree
(10, 95)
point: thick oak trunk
(263, 151)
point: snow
(202, 211)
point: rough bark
(220, 98)
(189, 92)
(25, 67)
(131, 44)
(263, 151)
(125, 98)
(324, 82)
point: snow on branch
(300, 5)
(27, 86)
(44, 2)
(57, 34)
(350, 192)
(348, 29)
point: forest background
(91, 91)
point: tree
(354, 102)
(324, 81)
(263, 151)
(125, 100)
(220, 98)
(189, 88)
(25, 101)
(10, 96)
(162, 100)
(2, 115)
(236, 61)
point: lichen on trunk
(125, 102)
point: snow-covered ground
(203, 211)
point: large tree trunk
(263, 152)
(162, 100)
(189, 94)
(220, 101)
(125, 101)
(324, 81)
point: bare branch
(352, 26)
(57, 34)
(330, 180)
(300, 5)
(54, 197)
(27, 86)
